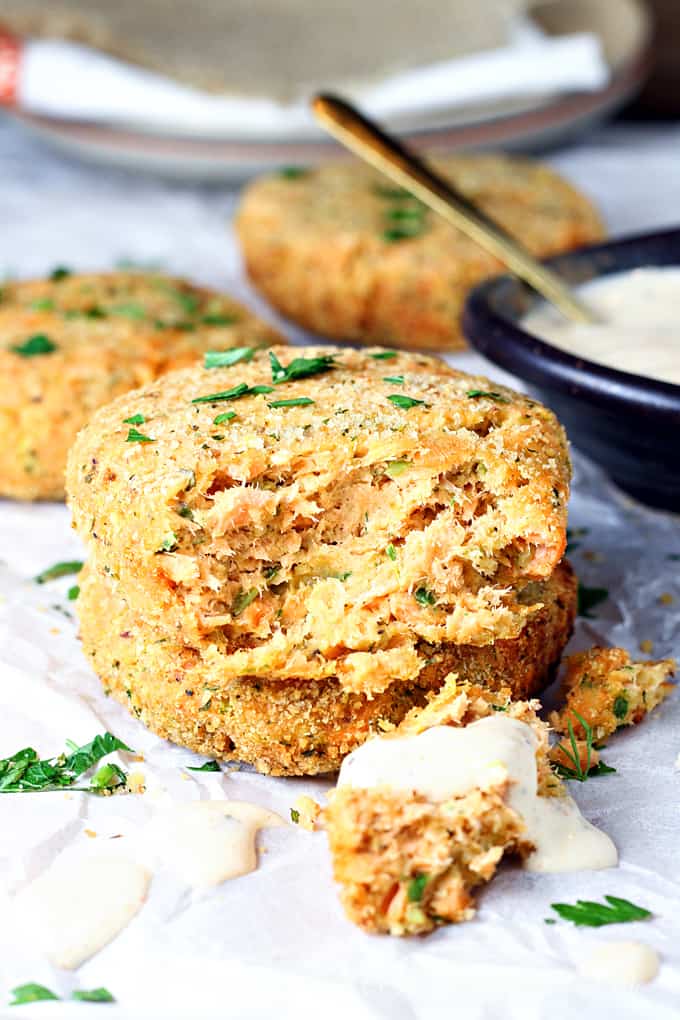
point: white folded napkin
(66, 80)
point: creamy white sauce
(80, 904)
(446, 761)
(640, 327)
(209, 841)
(621, 963)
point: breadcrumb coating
(608, 690)
(343, 252)
(394, 504)
(70, 344)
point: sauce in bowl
(640, 327)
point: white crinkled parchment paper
(275, 943)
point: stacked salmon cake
(297, 547)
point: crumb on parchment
(607, 689)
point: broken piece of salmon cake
(607, 690)
(408, 859)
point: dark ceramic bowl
(628, 424)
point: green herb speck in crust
(135, 419)
(235, 393)
(223, 359)
(129, 310)
(220, 419)
(134, 436)
(398, 380)
(294, 816)
(73, 592)
(61, 569)
(43, 304)
(59, 273)
(293, 173)
(490, 394)
(621, 706)
(292, 402)
(404, 402)
(219, 319)
(424, 596)
(37, 344)
(169, 543)
(416, 888)
(391, 552)
(243, 600)
(385, 355)
(394, 468)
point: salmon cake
(325, 513)
(343, 252)
(73, 342)
(296, 726)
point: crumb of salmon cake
(407, 863)
(349, 511)
(608, 690)
(305, 812)
(341, 251)
(75, 341)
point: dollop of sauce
(80, 904)
(447, 761)
(621, 963)
(640, 327)
(209, 841)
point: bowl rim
(503, 341)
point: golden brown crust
(608, 690)
(107, 333)
(333, 539)
(316, 246)
(295, 726)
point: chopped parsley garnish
(391, 552)
(243, 600)
(235, 393)
(588, 598)
(31, 993)
(37, 344)
(424, 596)
(385, 355)
(270, 572)
(219, 319)
(225, 416)
(300, 368)
(394, 468)
(490, 394)
(416, 888)
(223, 359)
(187, 300)
(588, 914)
(207, 766)
(404, 232)
(135, 436)
(73, 592)
(59, 273)
(398, 380)
(43, 304)
(621, 706)
(399, 400)
(169, 543)
(93, 995)
(62, 569)
(294, 816)
(576, 770)
(185, 511)
(24, 772)
(293, 173)
(135, 419)
(293, 402)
